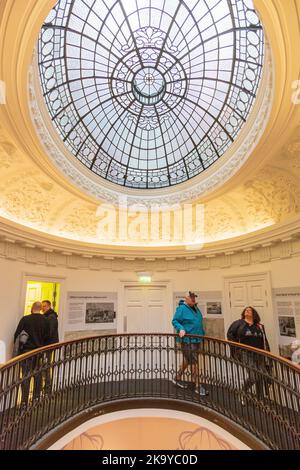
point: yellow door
(33, 294)
(38, 291)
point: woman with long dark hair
(250, 331)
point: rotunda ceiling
(150, 94)
(263, 193)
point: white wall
(284, 273)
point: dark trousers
(254, 379)
(31, 375)
(49, 372)
(256, 368)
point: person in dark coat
(37, 329)
(51, 317)
(250, 331)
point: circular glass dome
(150, 93)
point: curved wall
(283, 273)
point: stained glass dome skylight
(150, 93)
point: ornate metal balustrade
(42, 390)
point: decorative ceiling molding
(12, 250)
(278, 242)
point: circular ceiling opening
(149, 86)
(149, 94)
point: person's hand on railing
(181, 333)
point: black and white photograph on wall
(97, 312)
(214, 308)
(88, 311)
(287, 326)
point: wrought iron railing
(41, 390)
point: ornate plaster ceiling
(263, 194)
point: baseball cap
(190, 294)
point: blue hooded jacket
(185, 318)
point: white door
(245, 293)
(156, 301)
(238, 298)
(134, 310)
(146, 309)
(257, 295)
(254, 291)
(33, 294)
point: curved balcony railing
(42, 390)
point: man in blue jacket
(188, 320)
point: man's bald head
(36, 307)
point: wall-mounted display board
(89, 311)
(287, 311)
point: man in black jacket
(36, 326)
(51, 317)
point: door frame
(122, 317)
(26, 276)
(266, 276)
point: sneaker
(179, 383)
(201, 391)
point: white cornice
(267, 240)
(19, 252)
